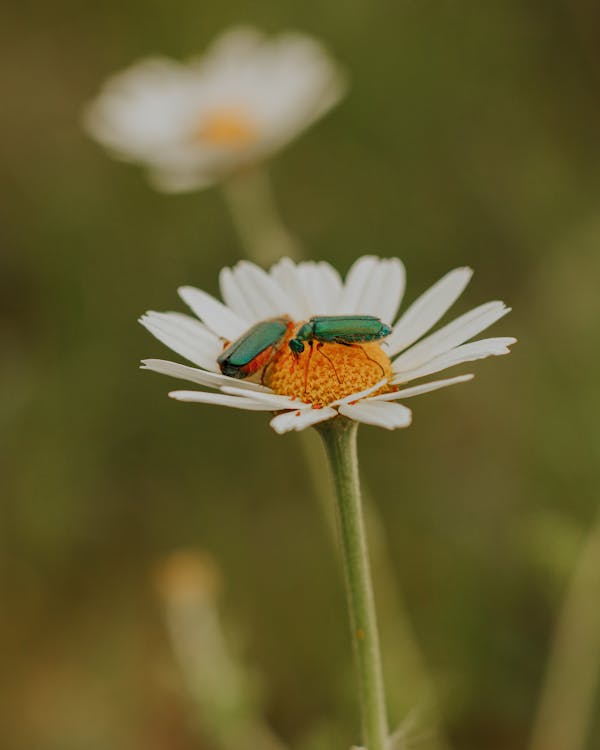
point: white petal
(286, 274)
(418, 389)
(323, 287)
(298, 420)
(428, 309)
(466, 353)
(304, 79)
(276, 401)
(186, 336)
(358, 280)
(451, 335)
(381, 414)
(387, 290)
(266, 296)
(235, 46)
(251, 286)
(233, 296)
(330, 286)
(360, 394)
(219, 399)
(217, 316)
(374, 287)
(139, 110)
(194, 375)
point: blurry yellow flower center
(227, 127)
(329, 372)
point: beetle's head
(296, 346)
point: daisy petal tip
(503, 309)
(298, 420)
(461, 276)
(507, 342)
(185, 291)
(278, 427)
(401, 424)
(184, 395)
(147, 318)
(150, 364)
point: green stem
(265, 239)
(252, 207)
(339, 437)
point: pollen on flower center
(227, 127)
(328, 372)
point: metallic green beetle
(348, 330)
(253, 349)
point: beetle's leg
(294, 362)
(369, 358)
(310, 343)
(320, 350)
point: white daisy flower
(194, 124)
(364, 382)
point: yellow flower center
(227, 127)
(328, 372)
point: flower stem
(265, 239)
(339, 437)
(252, 207)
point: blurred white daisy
(312, 388)
(194, 124)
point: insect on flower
(348, 330)
(258, 312)
(254, 349)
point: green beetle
(253, 349)
(348, 330)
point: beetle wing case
(243, 356)
(349, 329)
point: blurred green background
(470, 136)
